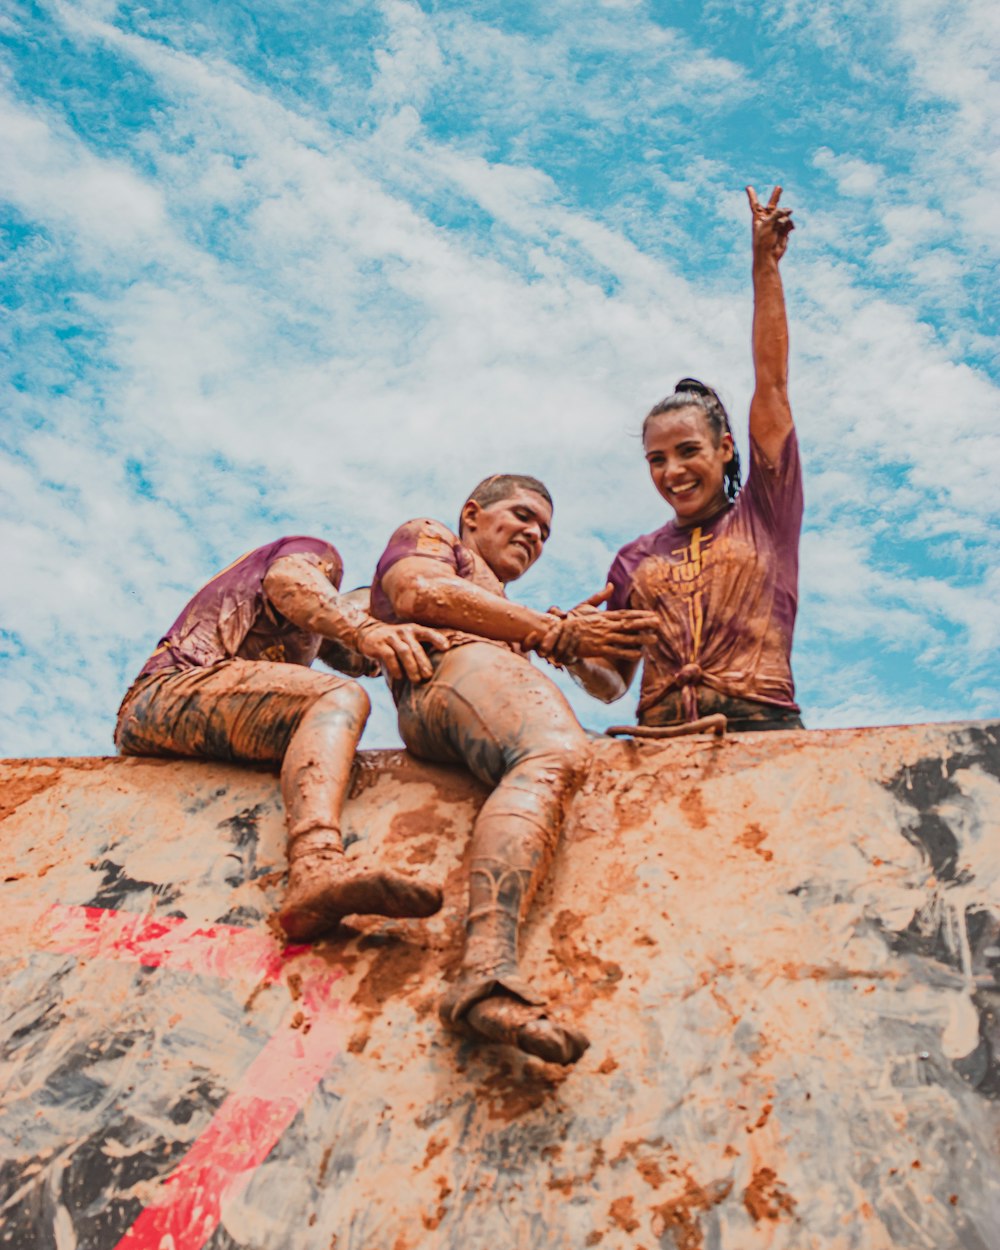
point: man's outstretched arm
(428, 592)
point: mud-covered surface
(785, 948)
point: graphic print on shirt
(684, 574)
(714, 597)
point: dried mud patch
(600, 977)
(766, 1197)
(679, 1216)
(19, 789)
(752, 838)
(395, 966)
(511, 1093)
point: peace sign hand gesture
(771, 225)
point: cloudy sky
(317, 267)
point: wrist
(543, 637)
(361, 631)
(764, 262)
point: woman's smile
(686, 466)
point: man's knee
(348, 701)
(559, 762)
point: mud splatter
(431, 817)
(433, 1221)
(762, 1119)
(599, 975)
(752, 838)
(766, 1198)
(651, 1172)
(679, 1216)
(436, 1146)
(693, 807)
(510, 1094)
(622, 1213)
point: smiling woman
(722, 576)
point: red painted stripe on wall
(244, 1130)
(219, 950)
(277, 1084)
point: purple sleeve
(327, 556)
(422, 537)
(774, 491)
(419, 538)
(215, 622)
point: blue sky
(319, 267)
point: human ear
(470, 514)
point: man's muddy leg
(514, 730)
(323, 884)
(513, 842)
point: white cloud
(334, 358)
(852, 175)
(411, 64)
(102, 204)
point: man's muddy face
(509, 534)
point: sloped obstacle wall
(784, 947)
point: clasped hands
(586, 632)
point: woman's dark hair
(690, 393)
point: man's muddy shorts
(241, 711)
(486, 708)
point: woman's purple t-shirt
(232, 618)
(726, 593)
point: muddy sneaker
(499, 1005)
(322, 890)
(501, 1018)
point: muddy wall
(785, 948)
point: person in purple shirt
(722, 574)
(230, 680)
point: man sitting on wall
(231, 681)
(487, 707)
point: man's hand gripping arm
(606, 678)
(302, 594)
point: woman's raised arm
(770, 412)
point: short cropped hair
(501, 486)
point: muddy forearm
(770, 411)
(770, 327)
(302, 594)
(454, 603)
